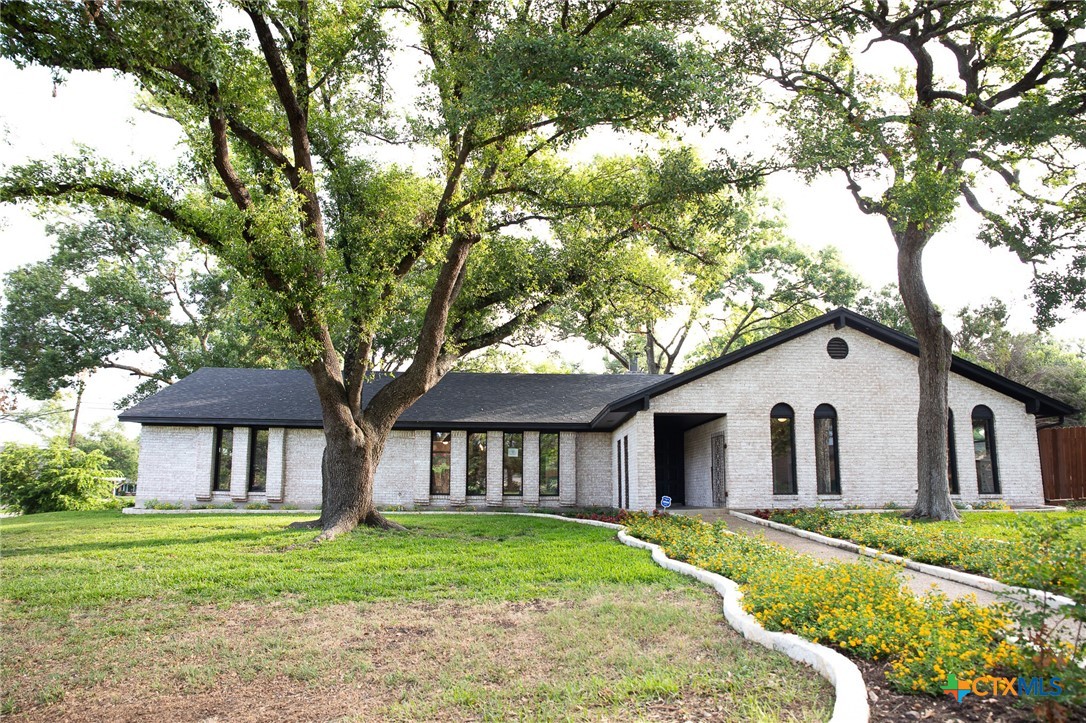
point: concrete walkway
(917, 581)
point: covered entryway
(672, 456)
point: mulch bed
(889, 705)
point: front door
(720, 492)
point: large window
(477, 463)
(224, 453)
(258, 460)
(951, 454)
(782, 436)
(512, 463)
(440, 462)
(984, 450)
(548, 464)
(827, 461)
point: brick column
(567, 469)
(203, 462)
(494, 455)
(422, 467)
(239, 465)
(458, 468)
(277, 443)
(531, 468)
(643, 463)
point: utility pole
(79, 387)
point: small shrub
(158, 505)
(992, 505)
(288, 507)
(861, 608)
(892, 506)
(55, 478)
(258, 506)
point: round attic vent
(837, 348)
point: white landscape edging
(850, 692)
(965, 578)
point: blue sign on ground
(665, 502)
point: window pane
(784, 455)
(512, 464)
(477, 463)
(548, 465)
(258, 460)
(829, 482)
(951, 455)
(982, 450)
(224, 451)
(440, 462)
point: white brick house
(822, 413)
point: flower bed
(1014, 561)
(861, 608)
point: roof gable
(1036, 402)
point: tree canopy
(288, 113)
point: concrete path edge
(965, 578)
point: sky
(96, 110)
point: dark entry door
(670, 474)
(720, 490)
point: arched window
(951, 454)
(827, 463)
(782, 436)
(984, 450)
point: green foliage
(963, 546)
(1054, 638)
(118, 284)
(332, 252)
(862, 608)
(54, 478)
(122, 451)
(999, 125)
(515, 361)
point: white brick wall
(874, 391)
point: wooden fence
(1063, 463)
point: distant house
(824, 413)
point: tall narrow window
(984, 450)
(548, 464)
(512, 463)
(782, 436)
(618, 468)
(626, 467)
(827, 461)
(951, 454)
(224, 453)
(258, 460)
(440, 462)
(477, 463)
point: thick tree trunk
(347, 471)
(936, 346)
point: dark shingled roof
(508, 401)
(462, 400)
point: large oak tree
(282, 105)
(923, 106)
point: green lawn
(461, 617)
(1008, 525)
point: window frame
(785, 411)
(952, 476)
(505, 460)
(434, 433)
(253, 433)
(557, 464)
(827, 411)
(983, 414)
(216, 479)
(467, 464)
